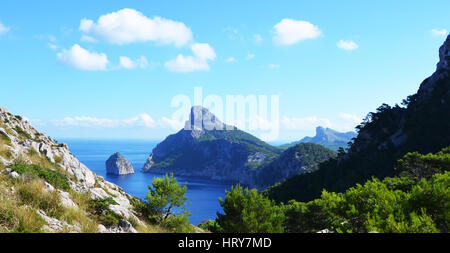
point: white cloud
(186, 64)
(349, 117)
(199, 62)
(203, 51)
(86, 38)
(250, 56)
(231, 59)
(307, 123)
(80, 58)
(274, 66)
(171, 123)
(348, 45)
(3, 29)
(127, 63)
(258, 38)
(289, 31)
(128, 26)
(143, 120)
(437, 32)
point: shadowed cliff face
(207, 147)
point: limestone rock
(23, 139)
(117, 164)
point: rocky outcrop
(328, 138)
(117, 164)
(442, 70)
(206, 147)
(20, 142)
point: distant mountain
(298, 159)
(326, 137)
(422, 124)
(207, 147)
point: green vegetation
(179, 153)
(247, 211)
(301, 158)
(164, 198)
(4, 139)
(416, 201)
(22, 133)
(420, 125)
(102, 212)
(54, 178)
(15, 219)
(58, 159)
(238, 136)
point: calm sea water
(202, 194)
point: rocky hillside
(421, 124)
(328, 138)
(44, 188)
(299, 159)
(207, 147)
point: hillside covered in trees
(420, 124)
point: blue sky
(330, 62)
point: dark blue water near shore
(202, 194)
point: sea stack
(117, 164)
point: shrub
(247, 211)
(55, 178)
(102, 212)
(163, 197)
(33, 193)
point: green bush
(163, 197)
(54, 178)
(102, 212)
(178, 224)
(247, 211)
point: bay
(202, 193)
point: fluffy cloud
(203, 51)
(231, 59)
(250, 56)
(165, 122)
(348, 45)
(199, 62)
(289, 31)
(307, 123)
(437, 32)
(128, 26)
(83, 121)
(349, 117)
(3, 29)
(80, 58)
(86, 38)
(127, 63)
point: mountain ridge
(421, 125)
(326, 137)
(207, 147)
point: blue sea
(202, 194)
